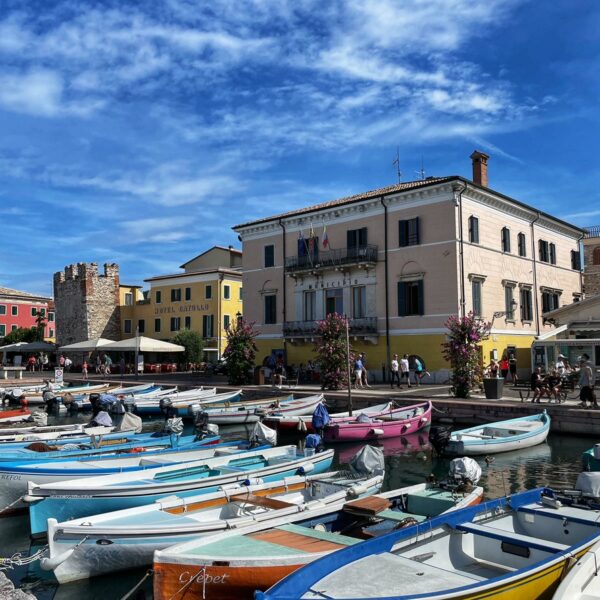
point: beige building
(399, 261)
(591, 270)
(206, 297)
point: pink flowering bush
(462, 351)
(331, 351)
(240, 352)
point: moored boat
(234, 564)
(502, 436)
(514, 547)
(407, 419)
(14, 416)
(109, 542)
(65, 500)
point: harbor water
(408, 461)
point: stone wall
(87, 303)
(591, 273)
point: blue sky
(140, 132)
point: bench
(18, 372)
(263, 501)
(511, 537)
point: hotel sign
(171, 310)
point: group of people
(550, 385)
(38, 363)
(507, 366)
(400, 370)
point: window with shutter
(269, 255)
(505, 239)
(409, 232)
(522, 245)
(474, 230)
(476, 291)
(411, 300)
(552, 254)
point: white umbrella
(87, 345)
(13, 347)
(143, 344)
(29, 347)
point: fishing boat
(75, 433)
(125, 539)
(253, 412)
(364, 428)
(514, 547)
(502, 436)
(302, 423)
(14, 416)
(184, 407)
(234, 564)
(65, 500)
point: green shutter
(421, 295)
(403, 233)
(401, 299)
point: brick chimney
(480, 174)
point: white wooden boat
(234, 564)
(583, 580)
(93, 495)
(125, 539)
(254, 411)
(502, 436)
(50, 432)
(515, 547)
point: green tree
(193, 344)
(40, 326)
(21, 334)
(332, 353)
(240, 352)
(462, 351)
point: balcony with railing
(592, 232)
(365, 326)
(330, 259)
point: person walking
(395, 371)
(358, 371)
(68, 364)
(107, 364)
(586, 383)
(405, 369)
(84, 369)
(61, 361)
(512, 367)
(504, 366)
(365, 373)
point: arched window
(596, 257)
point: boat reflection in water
(405, 444)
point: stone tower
(87, 303)
(591, 273)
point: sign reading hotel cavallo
(171, 310)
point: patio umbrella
(87, 345)
(143, 344)
(29, 347)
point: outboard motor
(49, 399)
(95, 402)
(315, 442)
(165, 404)
(201, 424)
(262, 435)
(439, 437)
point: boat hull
(384, 429)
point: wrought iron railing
(592, 232)
(332, 258)
(361, 326)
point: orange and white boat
(235, 564)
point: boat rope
(11, 504)
(137, 586)
(18, 560)
(444, 411)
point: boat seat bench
(573, 515)
(396, 515)
(517, 539)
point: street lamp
(503, 313)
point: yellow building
(206, 297)
(399, 261)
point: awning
(143, 344)
(584, 326)
(87, 345)
(29, 347)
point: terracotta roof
(227, 249)
(399, 187)
(4, 291)
(224, 270)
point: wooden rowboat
(363, 428)
(509, 548)
(502, 436)
(130, 537)
(234, 564)
(14, 416)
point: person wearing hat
(586, 379)
(562, 365)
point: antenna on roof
(421, 172)
(396, 162)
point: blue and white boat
(135, 533)
(515, 547)
(66, 500)
(502, 436)
(183, 405)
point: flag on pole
(311, 240)
(325, 238)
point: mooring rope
(11, 504)
(137, 586)
(18, 560)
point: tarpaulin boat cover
(369, 461)
(589, 484)
(261, 434)
(465, 468)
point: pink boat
(385, 411)
(364, 428)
